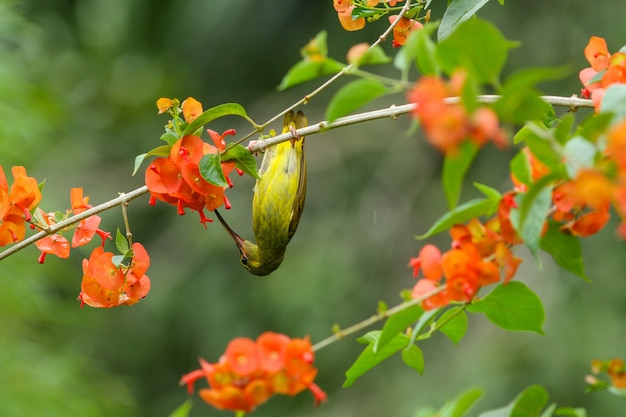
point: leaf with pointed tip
(216, 112)
(244, 160)
(210, 168)
(512, 306)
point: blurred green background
(78, 83)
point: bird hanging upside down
(278, 202)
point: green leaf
(477, 46)
(397, 323)
(594, 126)
(316, 47)
(465, 212)
(520, 101)
(533, 210)
(419, 49)
(425, 50)
(565, 250)
(121, 243)
(216, 112)
(309, 70)
(528, 403)
(563, 128)
(460, 405)
(548, 412)
(520, 168)
(369, 359)
(352, 96)
(244, 160)
(613, 101)
(182, 410)
(455, 324)
(536, 137)
(373, 56)
(169, 138)
(512, 306)
(162, 151)
(579, 153)
(138, 161)
(455, 167)
(211, 170)
(489, 192)
(413, 357)
(571, 412)
(365, 12)
(458, 11)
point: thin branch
(122, 199)
(345, 70)
(375, 318)
(394, 111)
(257, 146)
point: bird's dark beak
(238, 239)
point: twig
(394, 111)
(122, 199)
(378, 317)
(345, 70)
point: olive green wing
(298, 203)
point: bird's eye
(244, 261)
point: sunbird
(277, 203)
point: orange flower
(341, 5)
(250, 372)
(16, 204)
(85, 230)
(356, 52)
(597, 53)
(447, 125)
(609, 68)
(403, 29)
(429, 261)
(241, 354)
(177, 180)
(106, 284)
(425, 286)
(192, 108)
(347, 22)
(272, 351)
(164, 104)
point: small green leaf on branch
(369, 359)
(210, 168)
(244, 160)
(565, 250)
(216, 112)
(454, 169)
(512, 306)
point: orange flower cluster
(614, 368)
(447, 125)
(16, 204)
(401, 31)
(250, 372)
(479, 255)
(108, 284)
(176, 179)
(56, 244)
(606, 69)
(581, 204)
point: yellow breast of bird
(275, 194)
